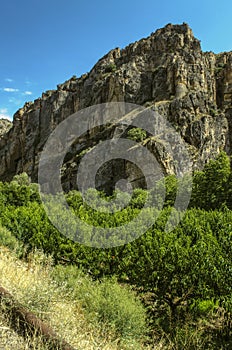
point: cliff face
(167, 71)
(5, 126)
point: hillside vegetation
(87, 314)
(168, 290)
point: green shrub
(111, 67)
(212, 186)
(105, 301)
(19, 191)
(203, 307)
(7, 239)
(137, 134)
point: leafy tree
(210, 186)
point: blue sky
(44, 43)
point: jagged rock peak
(166, 71)
(174, 37)
(171, 38)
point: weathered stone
(167, 72)
(5, 126)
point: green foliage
(111, 67)
(204, 307)
(211, 185)
(22, 179)
(184, 272)
(171, 186)
(7, 239)
(19, 191)
(137, 134)
(190, 262)
(105, 301)
(138, 199)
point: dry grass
(9, 339)
(30, 283)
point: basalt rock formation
(166, 71)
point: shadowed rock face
(166, 71)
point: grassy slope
(31, 284)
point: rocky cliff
(166, 71)
(5, 126)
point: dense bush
(184, 272)
(19, 191)
(212, 186)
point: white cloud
(3, 110)
(9, 80)
(4, 114)
(27, 93)
(10, 90)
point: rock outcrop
(167, 72)
(5, 126)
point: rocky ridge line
(166, 71)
